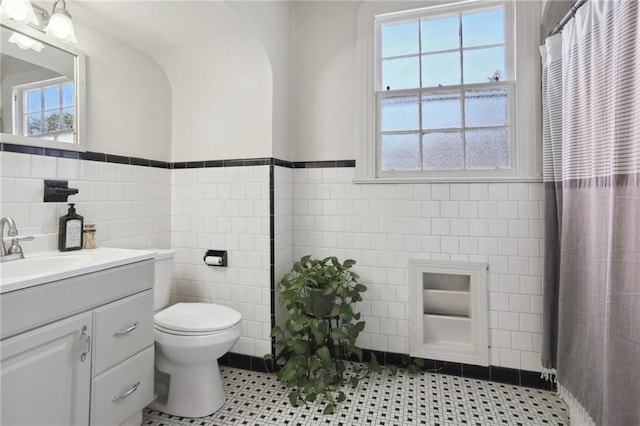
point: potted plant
(321, 331)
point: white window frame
(19, 108)
(524, 96)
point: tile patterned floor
(381, 400)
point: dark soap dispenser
(70, 230)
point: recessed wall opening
(449, 311)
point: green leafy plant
(320, 333)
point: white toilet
(190, 337)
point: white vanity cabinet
(46, 374)
(122, 376)
(78, 350)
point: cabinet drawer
(119, 393)
(122, 328)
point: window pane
(400, 73)
(488, 149)
(400, 152)
(481, 29)
(51, 121)
(440, 34)
(486, 107)
(52, 97)
(34, 124)
(67, 118)
(441, 110)
(33, 100)
(67, 94)
(442, 151)
(400, 39)
(400, 113)
(482, 65)
(441, 69)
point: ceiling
(151, 26)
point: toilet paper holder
(215, 258)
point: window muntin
(443, 92)
(46, 109)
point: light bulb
(19, 10)
(61, 27)
(25, 42)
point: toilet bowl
(189, 339)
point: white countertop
(45, 267)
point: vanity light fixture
(25, 42)
(20, 11)
(58, 24)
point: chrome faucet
(15, 251)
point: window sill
(506, 179)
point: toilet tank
(163, 278)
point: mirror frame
(79, 87)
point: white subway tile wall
(318, 211)
(130, 205)
(225, 209)
(382, 226)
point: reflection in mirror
(41, 89)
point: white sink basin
(46, 267)
(40, 265)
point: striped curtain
(591, 144)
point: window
(46, 109)
(442, 101)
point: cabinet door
(44, 377)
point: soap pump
(70, 230)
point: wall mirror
(43, 89)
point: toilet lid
(197, 317)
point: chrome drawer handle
(127, 331)
(87, 345)
(127, 393)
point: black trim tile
(179, 165)
(214, 163)
(93, 156)
(476, 372)
(240, 361)
(224, 360)
(257, 162)
(22, 149)
(159, 164)
(259, 364)
(282, 163)
(532, 379)
(450, 368)
(59, 153)
(392, 358)
(505, 375)
(139, 161)
(233, 163)
(346, 163)
(119, 159)
(272, 250)
(135, 161)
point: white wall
(382, 226)
(130, 205)
(128, 98)
(272, 23)
(221, 93)
(324, 80)
(225, 209)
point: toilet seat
(196, 319)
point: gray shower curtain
(591, 144)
